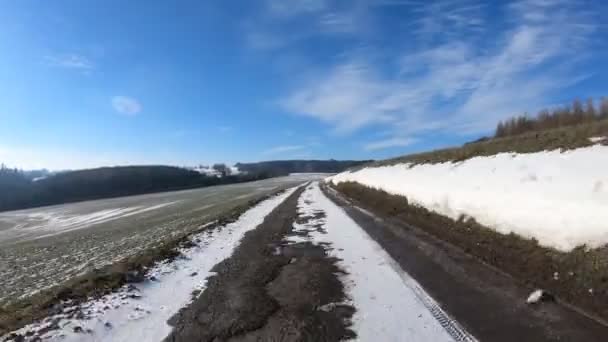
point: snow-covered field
(140, 312)
(42, 247)
(558, 198)
(46, 222)
(389, 303)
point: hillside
(285, 167)
(565, 128)
(532, 204)
(17, 191)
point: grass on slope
(565, 138)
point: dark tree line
(569, 115)
(285, 167)
(17, 191)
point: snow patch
(558, 198)
(389, 303)
(139, 312)
(596, 140)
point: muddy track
(488, 302)
(269, 290)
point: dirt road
(309, 265)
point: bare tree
(222, 169)
(604, 108)
(590, 112)
(566, 115)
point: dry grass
(565, 138)
(582, 274)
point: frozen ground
(45, 246)
(558, 198)
(389, 303)
(140, 312)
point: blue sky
(91, 83)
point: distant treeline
(18, 191)
(569, 115)
(285, 167)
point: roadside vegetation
(578, 277)
(564, 116)
(564, 128)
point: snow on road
(390, 305)
(558, 198)
(139, 312)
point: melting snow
(558, 198)
(139, 312)
(389, 303)
(56, 221)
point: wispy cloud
(283, 8)
(70, 61)
(281, 23)
(457, 85)
(349, 97)
(446, 19)
(387, 143)
(283, 149)
(126, 105)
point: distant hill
(27, 189)
(285, 167)
(18, 190)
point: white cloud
(70, 61)
(126, 105)
(387, 143)
(457, 86)
(349, 97)
(283, 149)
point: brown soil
(102, 281)
(579, 277)
(269, 291)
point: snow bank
(389, 303)
(558, 198)
(140, 312)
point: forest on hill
(22, 189)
